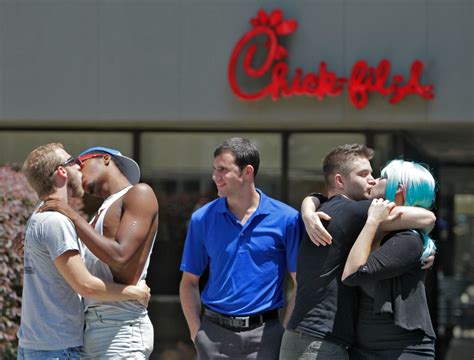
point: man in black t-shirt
(322, 323)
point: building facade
(166, 80)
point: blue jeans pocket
(72, 353)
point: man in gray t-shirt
(55, 275)
(48, 236)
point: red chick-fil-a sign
(363, 80)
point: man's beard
(74, 184)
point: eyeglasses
(71, 161)
(68, 162)
(80, 159)
(77, 161)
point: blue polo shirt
(247, 263)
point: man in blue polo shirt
(248, 240)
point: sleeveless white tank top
(102, 270)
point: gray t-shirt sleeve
(60, 235)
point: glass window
(383, 146)
(455, 256)
(16, 145)
(307, 152)
(464, 232)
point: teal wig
(419, 188)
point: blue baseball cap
(127, 166)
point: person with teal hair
(393, 320)
(418, 187)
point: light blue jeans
(113, 333)
(300, 346)
(72, 353)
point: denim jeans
(113, 333)
(72, 353)
(300, 346)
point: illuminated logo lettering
(364, 79)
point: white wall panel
(50, 60)
(450, 48)
(210, 29)
(164, 62)
(139, 59)
(392, 30)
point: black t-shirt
(325, 307)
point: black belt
(240, 323)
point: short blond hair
(39, 168)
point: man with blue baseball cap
(119, 245)
(127, 166)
